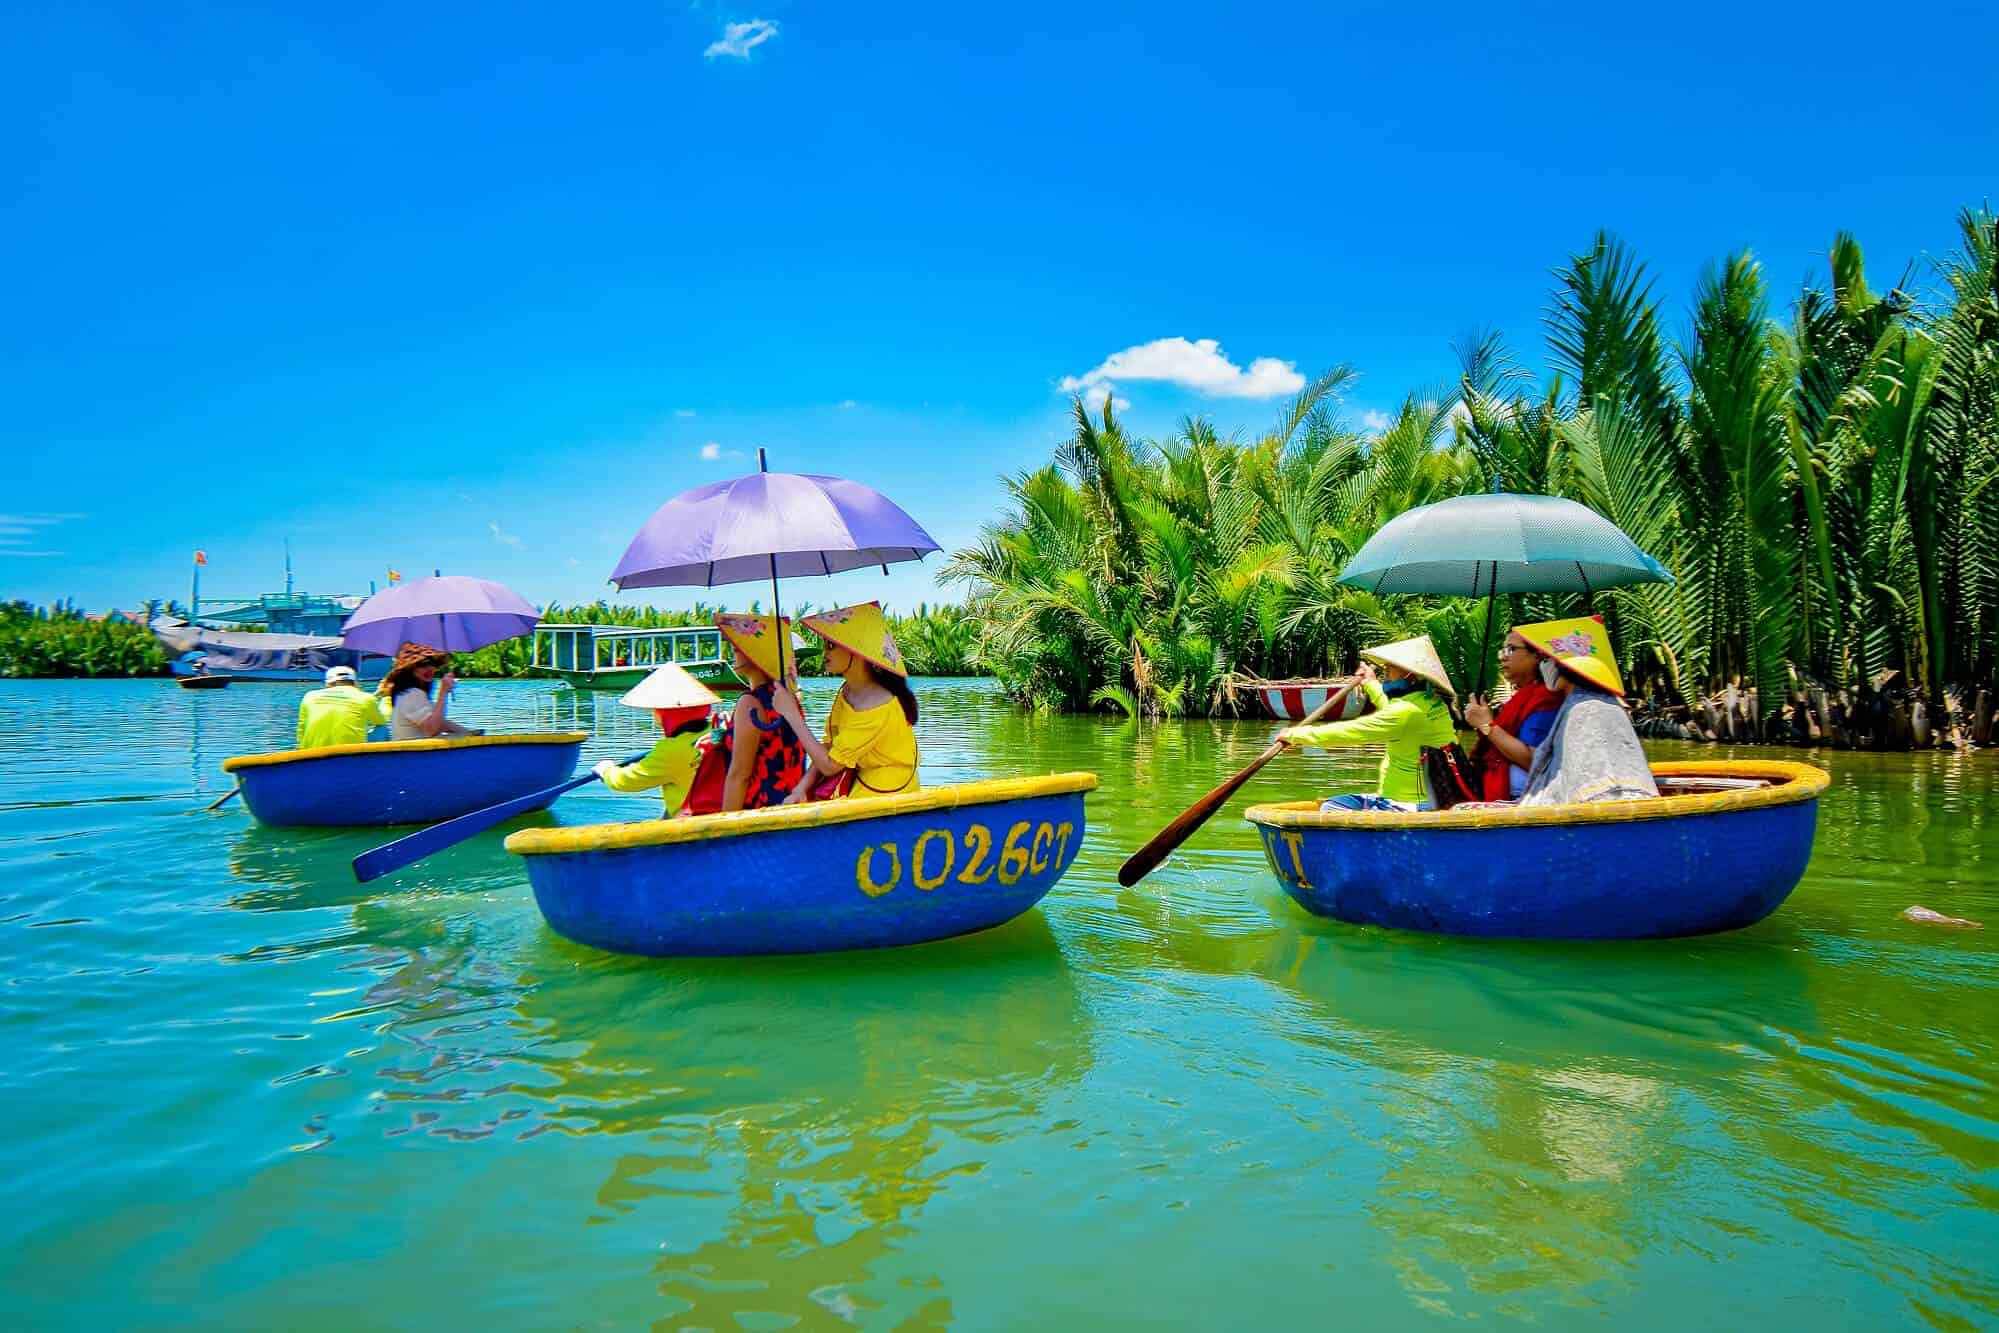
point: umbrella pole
(776, 606)
(1485, 639)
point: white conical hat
(670, 687)
(1417, 655)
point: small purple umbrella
(768, 525)
(451, 612)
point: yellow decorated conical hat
(669, 686)
(1580, 644)
(861, 630)
(757, 637)
(1416, 655)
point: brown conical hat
(1417, 655)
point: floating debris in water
(1924, 916)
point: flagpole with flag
(194, 598)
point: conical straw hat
(669, 686)
(1582, 645)
(757, 637)
(862, 630)
(1416, 655)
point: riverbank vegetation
(1824, 485)
(59, 640)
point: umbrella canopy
(451, 612)
(768, 525)
(1479, 545)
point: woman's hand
(446, 683)
(1478, 713)
(1364, 673)
(1287, 737)
(603, 768)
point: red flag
(201, 557)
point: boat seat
(1700, 785)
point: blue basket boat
(1721, 850)
(401, 782)
(852, 874)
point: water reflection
(805, 1110)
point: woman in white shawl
(1591, 752)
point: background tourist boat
(1722, 852)
(858, 874)
(612, 657)
(203, 681)
(401, 782)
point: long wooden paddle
(393, 856)
(1147, 858)
(233, 793)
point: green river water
(243, 1091)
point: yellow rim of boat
(403, 747)
(1791, 784)
(819, 814)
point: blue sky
(475, 287)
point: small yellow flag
(395, 576)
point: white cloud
(1374, 421)
(683, 412)
(848, 402)
(1094, 398)
(712, 451)
(739, 39)
(1199, 366)
(503, 537)
(17, 530)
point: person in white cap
(683, 706)
(1409, 714)
(339, 714)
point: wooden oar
(233, 793)
(393, 856)
(1147, 858)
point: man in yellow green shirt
(341, 713)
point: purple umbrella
(451, 612)
(769, 525)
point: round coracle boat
(1720, 848)
(868, 873)
(402, 782)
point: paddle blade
(1147, 858)
(393, 856)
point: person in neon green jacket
(683, 706)
(1410, 713)
(340, 714)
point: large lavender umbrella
(768, 525)
(451, 612)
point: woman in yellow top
(871, 731)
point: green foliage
(60, 641)
(1825, 490)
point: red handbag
(711, 776)
(833, 788)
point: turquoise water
(247, 1092)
